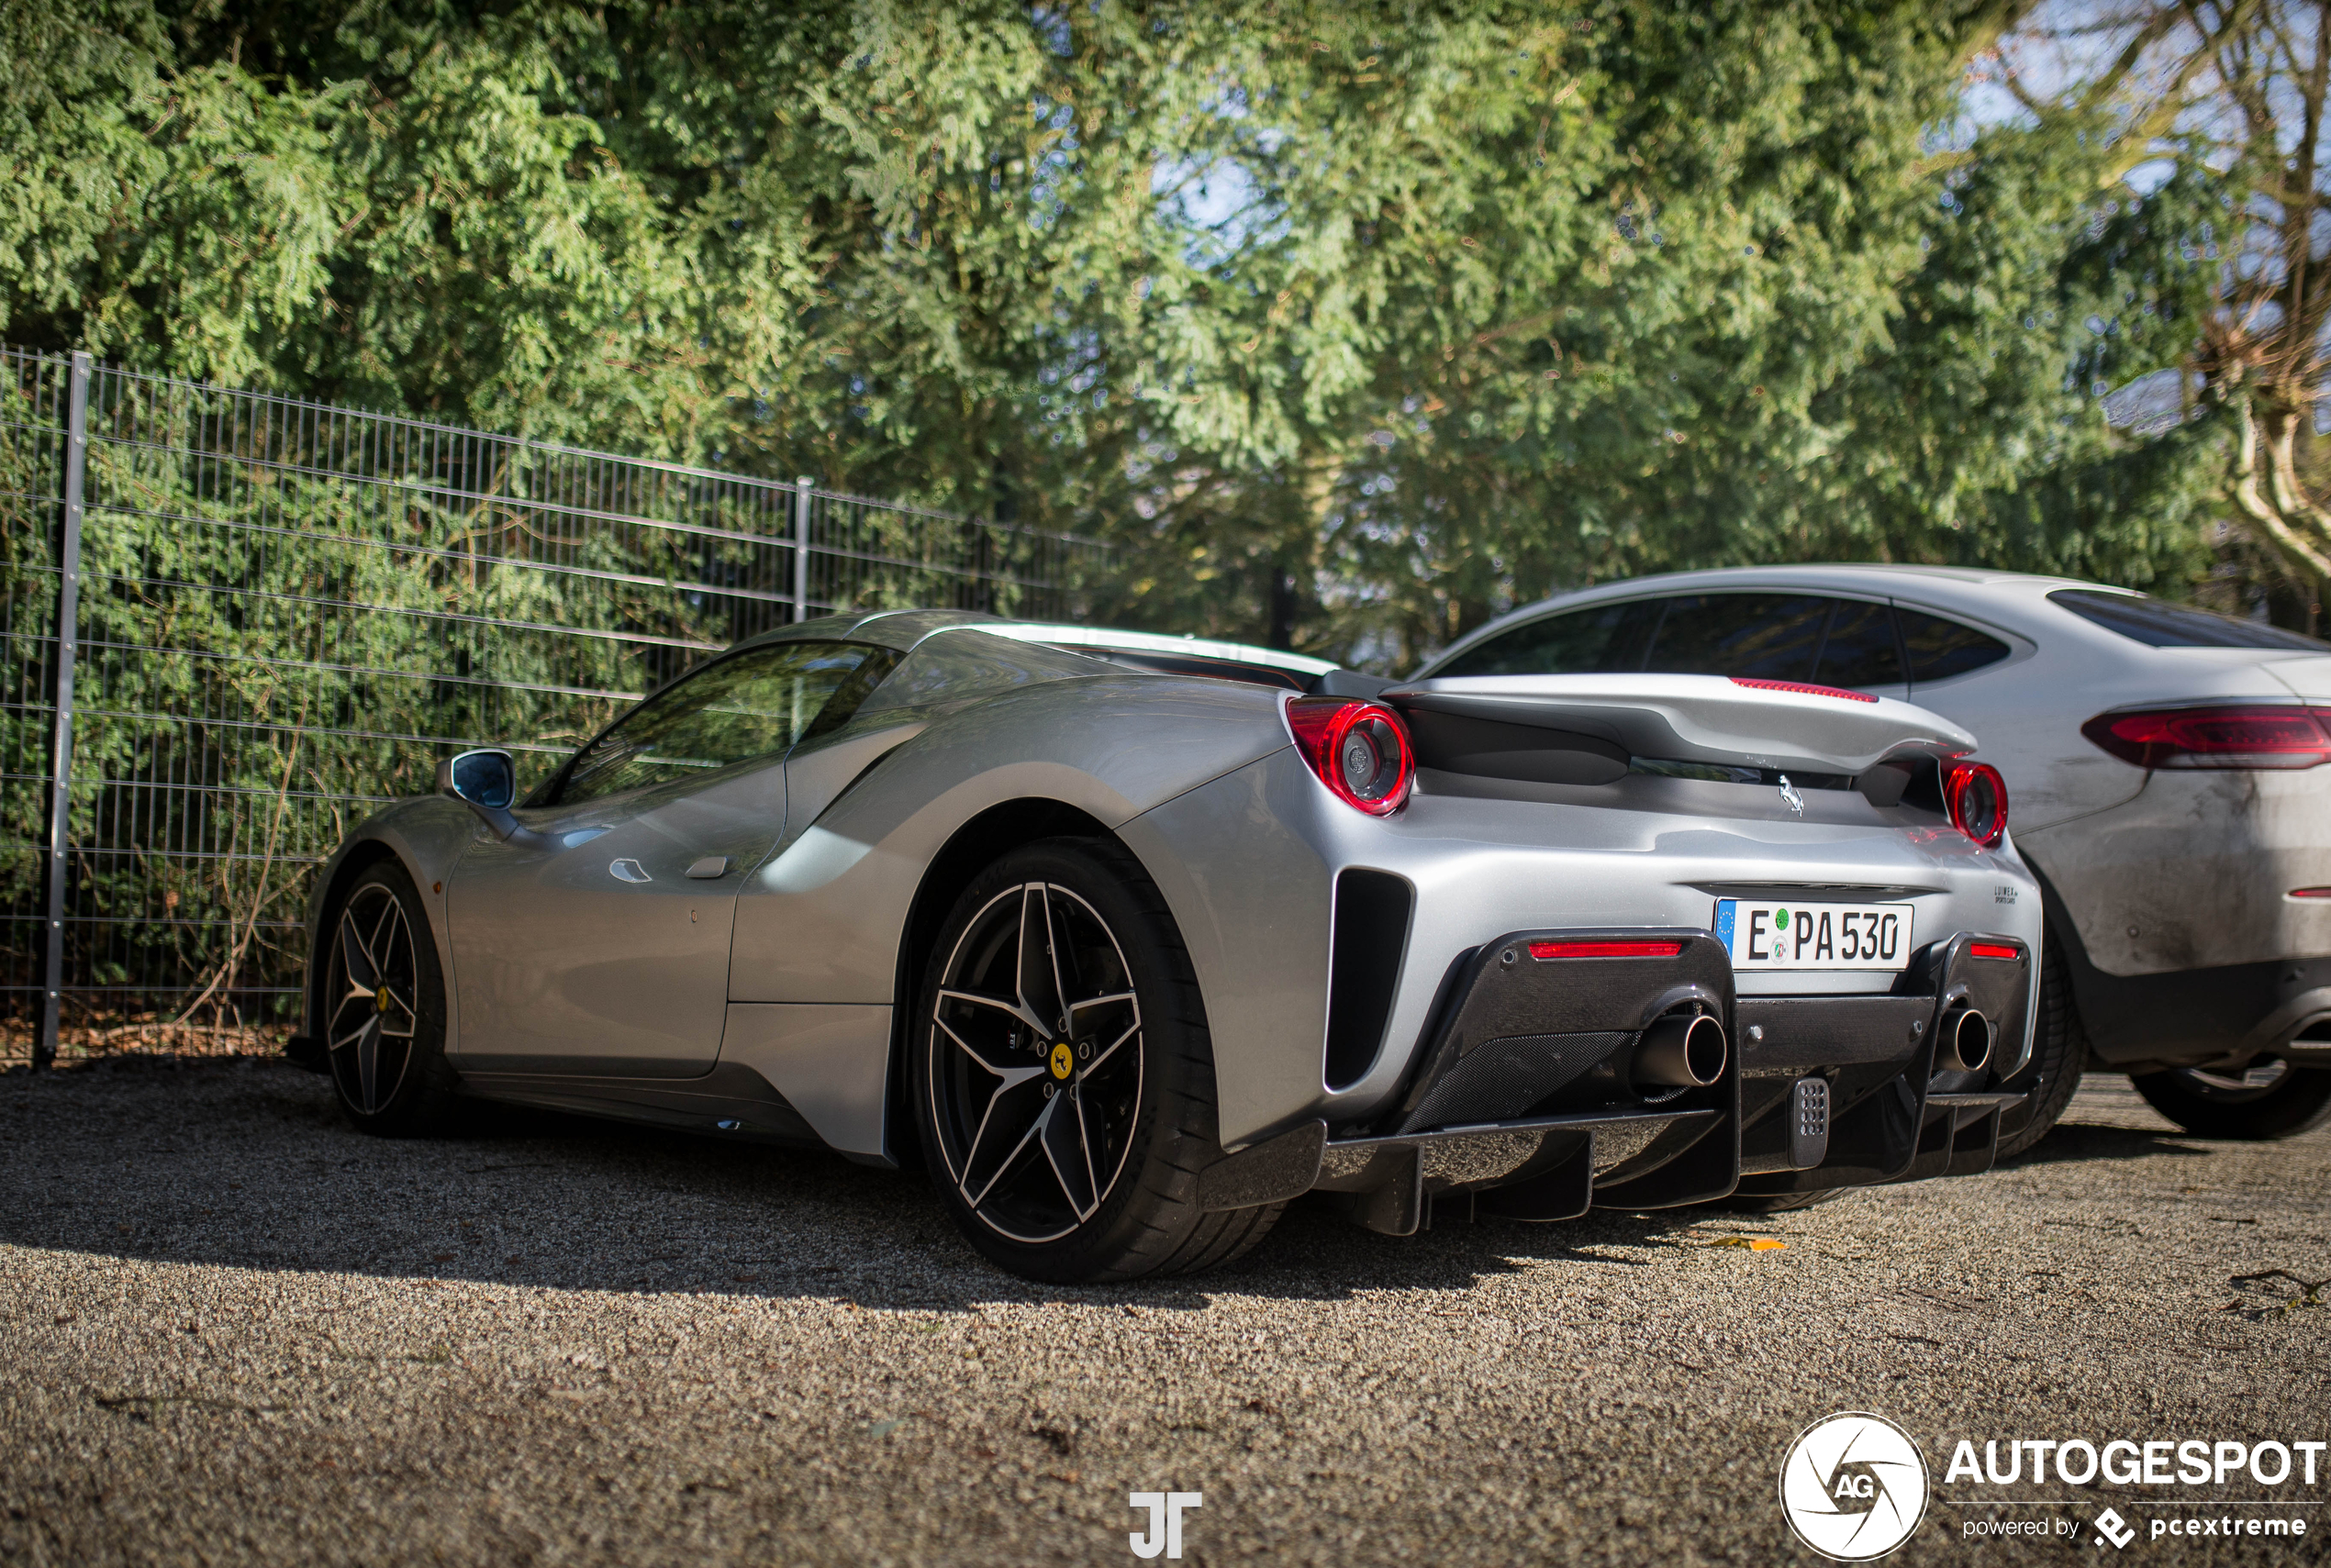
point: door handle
(709, 867)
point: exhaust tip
(1682, 1050)
(1966, 1042)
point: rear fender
(823, 921)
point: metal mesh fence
(287, 611)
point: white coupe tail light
(2222, 735)
(1359, 750)
(1976, 797)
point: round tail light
(1976, 797)
(1359, 750)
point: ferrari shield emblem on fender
(1790, 797)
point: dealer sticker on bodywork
(1813, 936)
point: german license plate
(1813, 936)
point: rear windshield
(2160, 625)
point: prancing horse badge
(1790, 797)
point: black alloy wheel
(384, 1008)
(1040, 1082)
(1063, 1077)
(2268, 1099)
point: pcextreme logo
(1853, 1486)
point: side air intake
(1371, 932)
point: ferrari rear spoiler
(1594, 729)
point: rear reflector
(1605, 949)
(2309, 892)
(2223, 735)
(1994, 949)
(1802, 689)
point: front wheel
(1063, 1080)
(2271, 1099)
(384, 1009)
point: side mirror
(487, 781)
(481, 778)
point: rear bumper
(2181, 1017)
(1528, 1103)
(2194, 875)
(2145, 1022)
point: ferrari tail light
(1359, 750)
(1976, 797)
(2224, 735)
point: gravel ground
(237, 1331)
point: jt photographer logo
(1854, 1487)
(1164, 1532)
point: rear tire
(2059, 1053)
(383, 1009)
(2288, 1101)
(1062, 1075)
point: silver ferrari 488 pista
(1131, 941)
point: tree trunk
(2267, 489)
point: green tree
(1353, 324)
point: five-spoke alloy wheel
(1036, 1063)
(384, 1007)
(1063, 1077)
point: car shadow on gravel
(251, 1165)
(2077, 1140)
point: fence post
(801, 546)
(61, 749)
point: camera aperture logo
(1853, 1486)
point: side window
(1599, 639)
(1861, 649)
(1940, 649)
(1774, 637)
(751, 705)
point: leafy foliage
(1355, 325)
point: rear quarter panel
(821, 921)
